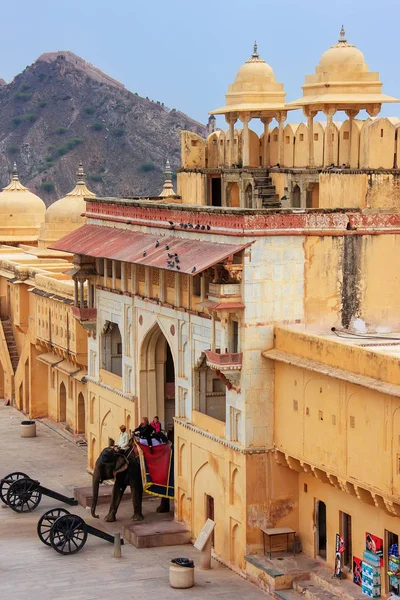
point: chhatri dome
(65, 215)
(342, 78)
(21, 212)
(254, 89)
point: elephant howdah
(141, 471)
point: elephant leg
(164, 506)
(118, 492)
(137, 496)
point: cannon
(23, 494)
(67, 533)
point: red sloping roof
(140, 248)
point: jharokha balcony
(87, 317)
(230, 361)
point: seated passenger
(145, 431)
(158, 434)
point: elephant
(125, 471)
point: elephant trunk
(96, 485)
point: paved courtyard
(30, 570)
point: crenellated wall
(374, 144)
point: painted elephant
(124, 471)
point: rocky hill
(61, 110)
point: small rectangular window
(315, 137)
(295, 405)
(381, 132)
(195, 143)
(307, 411)
(302, 137)
(275, 138)
(346, 135)
(287, 139)
(352, 421)
(333, 137)
(305, 488)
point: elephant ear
(121, 464)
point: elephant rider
(145, 431)
(123, 442)
(158, 434)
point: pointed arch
(157, 377)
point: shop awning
(194, 256)
(67, 367)
(49, 359)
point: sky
(185, 53)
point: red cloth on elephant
(157, 470)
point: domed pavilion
(254, 94)
(65, 215)
(21, 212)
(342, 81)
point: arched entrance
(157, 379)
(81, 413)
(63, 403)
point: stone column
(329, 111)
(245, 118)
(76, 293)
(281, 118)
(310, 114)
(351, 114)
(82, 294)
(123, 277)
(265, 159)
(231, 122)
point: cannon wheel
(68, 534)
(7, 481)
(46, 522)
(24, 495)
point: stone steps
(313, 591)
(11, 344)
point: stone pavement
(29, 570)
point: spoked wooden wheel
(24, 495)
(47, 521)
(68, 534)
(7, 481)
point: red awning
(194, 256)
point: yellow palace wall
(106, 411)
(249, 490)
(364, 518)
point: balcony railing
(224, 290)
(84, 314)
(230, 361)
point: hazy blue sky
(185, 53)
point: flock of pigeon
(173, 258)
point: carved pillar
(76, 293)
(329, 111)
(352, 115)
(281, 118)
(82, 294)
(231, 154)
(245, 118)
(265, 159)
(123, 277)
(310, 114)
